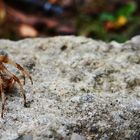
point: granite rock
(81, 86)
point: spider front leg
(18, 66)
(3, 98)
(12, 81)
(25, 72)
(21, 88)
(15, 79)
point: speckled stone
(82, 88)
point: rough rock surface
(83, 89)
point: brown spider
(8, 80)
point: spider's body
(8, 80)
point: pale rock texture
(83, 89)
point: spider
(8, 80)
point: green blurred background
(99, 19)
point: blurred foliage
(118, 25)
(106, 20)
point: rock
(83, 89)
(25, 137)
(136, 40)
(77, 137)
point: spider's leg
(11, 82)
(3, 98)
(25, 72)
(18, 66)
(16, 80)
(21, 88)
